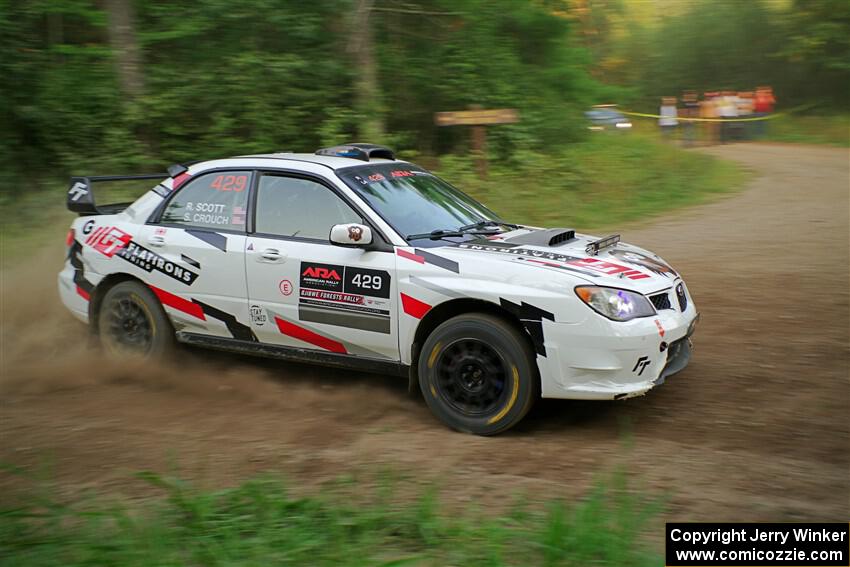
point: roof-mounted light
(363, 152)
(594, 247)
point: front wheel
(132, 321)
(477, 374)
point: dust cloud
(45, 349)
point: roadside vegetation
(609, 179)
(831, 130)
(262, 523)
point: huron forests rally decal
(112, 241)
(345, 296)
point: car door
(307, 293)
(200, 229)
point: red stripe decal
(178, 303)
(410, 256)
(308, 336)
(94, 236)
(414, 307)
(83, 293)
(180, 180)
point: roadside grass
(831, 130)
(611, 178)
(32, 222)
(262, 523)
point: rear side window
(217, 200)
(300, 208)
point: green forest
(130, 85)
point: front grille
(661, 301)
(680, 295)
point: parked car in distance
(606, 117)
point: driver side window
(299, 208)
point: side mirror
(351, 235)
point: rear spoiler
(80, 196)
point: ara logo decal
(322, 273)
(321, 276)
(641, 365)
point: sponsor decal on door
(345, 296)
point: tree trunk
(367, 91)
(122, 38)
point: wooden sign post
(478, 119)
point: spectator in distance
(668, 120)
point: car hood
(561, 250)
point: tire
(477, 374)
(131, 321)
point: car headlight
(616, 304)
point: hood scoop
(547, 237)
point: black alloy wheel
(131, 321)
(129, 325)
(478, 373)
(471, 377)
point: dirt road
(755, 429)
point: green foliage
(262, 523)
(224, 78)
(497, 53)
(713, 46)
(801, 48)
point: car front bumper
(598, 359)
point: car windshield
(414, 201)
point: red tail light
(70, 238)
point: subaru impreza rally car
(351, 258)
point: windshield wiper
(462, 231)
(488, 223)
(443, 233)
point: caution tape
(755, 119)
(684, 119)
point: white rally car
(349, 257)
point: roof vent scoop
(363, 152)
(547, 237)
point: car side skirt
(333, 359)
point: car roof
(333, 162)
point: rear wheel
(132, 321)
(477, 374)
